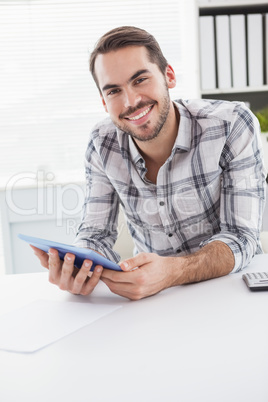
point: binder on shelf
(238, 50)
(266, 50)
(255, 50)
(223, 51)
(207, 53)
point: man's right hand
(65, 275)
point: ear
(104, 104)
(170, 77)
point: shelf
(232, 90)
(204, 4)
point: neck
(156, 151)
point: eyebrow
(133, 77)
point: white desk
(202, 342)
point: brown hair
(124, 36)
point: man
(188, 175)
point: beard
(144, 133)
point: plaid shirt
(212, 186)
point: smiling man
(188, 175)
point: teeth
(141, 114)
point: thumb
(135, 262)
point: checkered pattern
(212, 187)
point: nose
(132, 98)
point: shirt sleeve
(98, 228)
(243, 188)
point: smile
(140, 115)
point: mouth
(139, 116)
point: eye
(140, 80)
(113, 92)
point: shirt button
(178, 250)
(170, 235)
(161, 203)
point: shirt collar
(184, 137)
(134, 153)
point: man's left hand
(144, 275)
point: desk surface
(201, 342)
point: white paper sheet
(42, 322)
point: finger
(112, 284)
(66, 272)
(81, 277)
(137, 261)
(124, 289)
(55, 264)
(117, 276)
(42, 255)
(90, 285)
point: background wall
(49, 104)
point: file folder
(207, 53)
(255, 52)
(238, 50)
(223, 51)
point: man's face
(134, 91)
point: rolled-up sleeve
(243, 189)
(98, 228)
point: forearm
(213, 260)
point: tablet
(80, 253)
